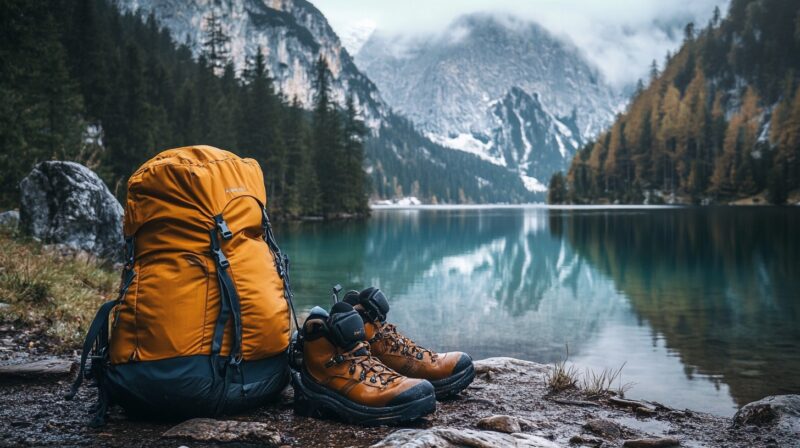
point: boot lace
(403, 344)
(371, 367)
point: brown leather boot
(339, 377)
(450, 373)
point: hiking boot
(338, 377)
(450, 373)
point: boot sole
(313, 400)
(454, 384)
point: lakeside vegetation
(49, 293)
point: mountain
(529, 138)
(720, 124)
(355, 35)
(293, 35)
(464, 86)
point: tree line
(720, 123)
(81, 81)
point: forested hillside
(81, 81)
(719, 124)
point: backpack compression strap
(97, 337)
(229, 298)
(281, 262)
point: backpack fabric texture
(201, 325)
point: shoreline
(510, 402)
(382, 207)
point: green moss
(50, 292)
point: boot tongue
(345, 326)
(372, 300)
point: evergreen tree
(328, 143)
(699, 129)
(260, 134)
(557, 190)
(215, 45)
(41, 110)
(355, 193)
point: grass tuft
(50, 292)
(602, 383)
(562, 376)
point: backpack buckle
(222, 260)
(223, 228)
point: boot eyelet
(373, 379)
(419, 356)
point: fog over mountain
(493, 85)
(621, 38)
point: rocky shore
(509, 404)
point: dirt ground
(35, 414)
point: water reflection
(701, 303)
(721, 286)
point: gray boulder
(444, 437)
(781, 412)
(66, 203)
(9, 219)
(225, 431)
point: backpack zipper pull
(222, 226)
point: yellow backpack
(201, 324)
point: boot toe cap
(420, 390)
(464, 363)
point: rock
(782, 411)
(67, 203)
(507, 365)
(586, 440)
(664, 442)
(9, 219)
(210, 430)
(500, 423)
(603, 428)
(441, 437)
(44, 369)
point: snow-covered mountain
(524, 136)
(357, 34)
(496, 86)
(293, 35)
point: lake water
(702, 304)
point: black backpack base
(187, 387)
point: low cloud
(620, 37)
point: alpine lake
(701, 305)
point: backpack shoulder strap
(96, 340)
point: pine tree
(354, 133)
(654, 71)
(302, 196)
(557, 190)
(215, 45)
(41, 108)
(259, 133)
(328, 143)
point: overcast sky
(620, 37)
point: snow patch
(468, 143)
(533, 184)
(400, 202)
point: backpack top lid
(177, 193)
